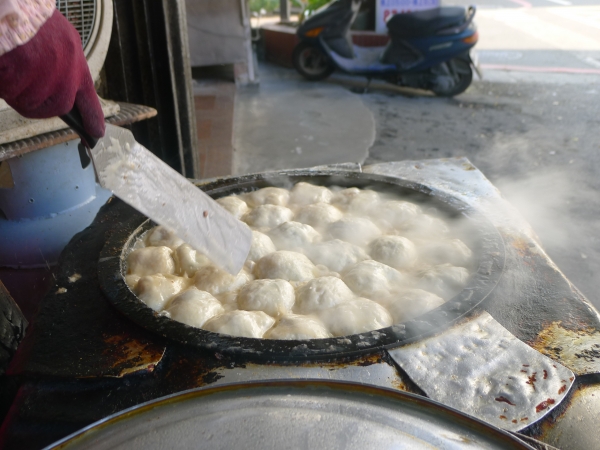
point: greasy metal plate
(291, 415)
(490, 263)
(480, 368)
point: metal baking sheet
(291, 415)
(478, 367)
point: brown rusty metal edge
(111, 272)
(464, 420)
(129, 114)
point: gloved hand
(49, 74)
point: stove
(520, 349)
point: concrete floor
(534, 135)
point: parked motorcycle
(427, 49)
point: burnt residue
(578, 349)
(531, 379)
(505, 400)
(545, 405)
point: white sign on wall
(387, 8)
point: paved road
(532, 125)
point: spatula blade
(145, 182)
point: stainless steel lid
(291, 415)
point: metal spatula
(139, 178)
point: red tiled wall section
(280, 41)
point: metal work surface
(292, 415)
(583, 413)
(480, 368)
(489, 253)
(79, 334)
(378, 374)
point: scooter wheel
(452, 79)
(311, 62)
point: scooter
(428, 49)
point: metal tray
(489, 254)
(291, 415)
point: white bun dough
(358, 315)
(396, 214)
(372, 279)
(321, 293)
(234, 205)
(268, 196)
(356, 230)
(156, 290)
(216, 281)
(268, 216)
(411, 303)
(132, 281)
(365, 203)
(293, 236)
(395, 251)
(163, 236)
(151, 260)
(342, 198)
(261, 246)
(290, 266)
(305, 194)
(318, 215)
(444, 280)
(194, 307)
(453, 251)
(425, 226)
(252, 324)
(189, 261)
(335, 254)
(298, 327)
(275, 297)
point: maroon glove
(49, 74)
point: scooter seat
(426, 23)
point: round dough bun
(372, 279)
(318, 215)
(322, 293)
(298, 327)
(266, 217)
(252, 324)
(156, 290)
(293, 236)
(336, 255)
(151, 260)
(275, 297)
(216, 281)
(410, 303)
(305, 194)
(268, 196)
(358, 315)
(395, 251)
(290, 266)
(261, 246)
(162, 236)
(234, 205)
(194, 307)
(356, 230)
